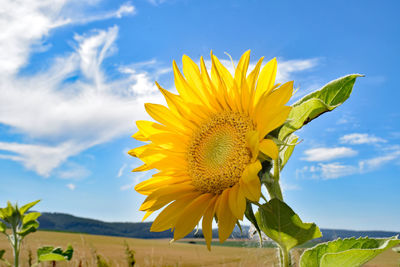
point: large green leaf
(349, 252)
(278, 221)
(313, 105)
(26, 207)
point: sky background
(74, 76)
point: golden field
(157, 252)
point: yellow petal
(251, 82)
(241, 202)
(154, 183)
(183, 87)
(207, 222)
(241, 69)
(168, 217)
(266, 79)
(272, 120)
(234, 203)
(165, 116)
(250, 181)
(194, 78)
(147, 214)
(166, 194)
(269, 148)
(226, 220)
(191, 215)
(146, 128)
(253, 140)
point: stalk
(15, 246)
(285, 257)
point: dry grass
(158, 252)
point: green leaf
(2, 251)
(26, 207)
(52, 257)
(49, 253)
(287, 150)
(28, 228)
(278, 221)
(313, 105)
(3, 227)
(30, 217)
(349, 252)
(396, 249)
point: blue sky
(74, 78)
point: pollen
(218, 152)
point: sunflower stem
(271, 181)
(284, 257)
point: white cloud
(60, 117)
(286, 68)
(359, 138)
(74, 171)
(25, 24)
(335, 170)
(121, 170)
(71, 186)
(326, 154)
(377, 162)
(39, 158)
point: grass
(158, 252)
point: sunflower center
(218, 152)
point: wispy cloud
(63, 117)
(73, 171)
(71, 186)
(335, 170)
(377, 162)
(361, 138)
(121, 170)
(326, 154)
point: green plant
(130, 255)
(21, 224)
(51, 254)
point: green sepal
(349, 252)
(30, 217)
(286, 152)
(250, 216)
(397, 249)
(279, 222)
(313, 105)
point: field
(158, 252)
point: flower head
(209, 143)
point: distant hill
(70, 223)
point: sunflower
(208, 144)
